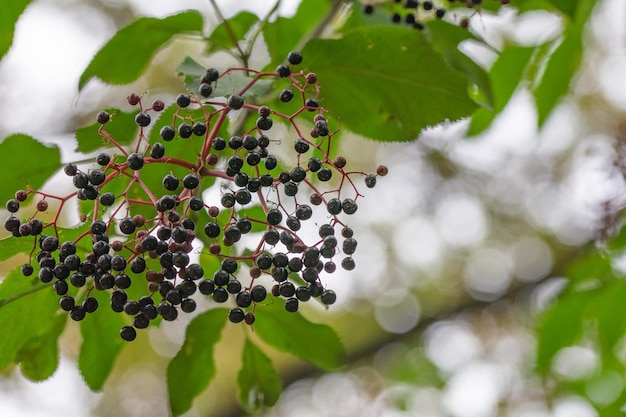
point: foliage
(383, 81)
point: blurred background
(460, 247)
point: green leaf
(11, 246)
(284, 34)
(557, 77)
(231, 83)
(11, 11)
(193, 367)
(127, 54)
(414, 86)
(239, 24)
(609, 302)
(17, 169)
(446, 38)
(259, 383)
(292, 333)
(505, 76)
(122, 128)
(561, 326)
(593, 266)
(101, 342)
(39, 357)
(27, 308)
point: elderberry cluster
(414, 13)
(143, 242)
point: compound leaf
(18, 168)
(292, 333)
(259, 384)
(101, 342)
(127, 54)
(414, 86)
(193, 367)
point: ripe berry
(232, 234)
(67, 303)
(321, 128)
(311, 104)
(348, 264)
(324, 174)
(293, 223)
(142, 119)
(96, 176)
(440, 13)
(243, 196)
(12, 206)
(211, 75)
(271, 237)
(27, 270)
(128, 333)
(297, 174)
(60, 287)
(167, 133)
(349, 246)
(274, 217)
(191, 181)
(283, 71)
(77, 313)
(349, 206)
(264, 123)
(157, 151)
(183, 100)
(368, 9)
(328, 297)
(304, 212)
(127, 226)
(90, 304)
(235, 102)
(220, 295)
(185, 130)
(236, 315)
(294, 57)
(219, 143)
(188, 305)
(286, 95)
(301, 146)
(135, 161)
(291, 304)
(70, 169)
(286, 289)
(102, 117)
(205, 90)
(199, 128)
(122, 281)
(195, 203)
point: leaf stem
(231, 33)
(17, 296)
